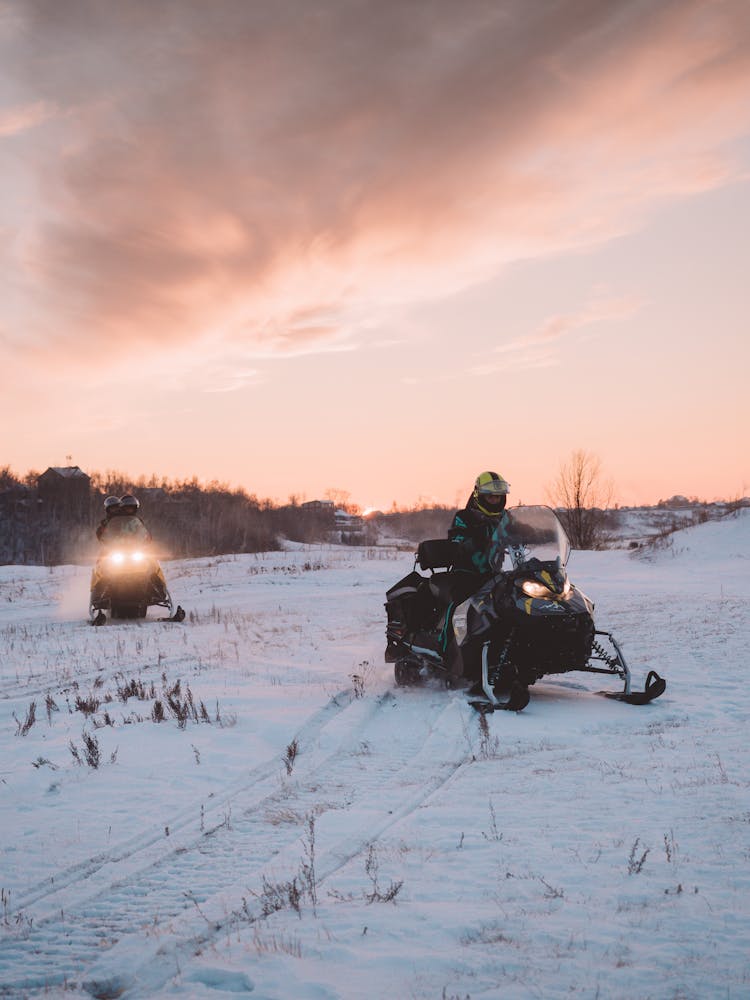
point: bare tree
(582, 496)
(340, 498)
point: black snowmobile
(524, 621)
(126, 580)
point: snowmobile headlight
(117, 558)
(138, 557)
(460, 625)
(533, 589)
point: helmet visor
(493, 487)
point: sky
(377, 247)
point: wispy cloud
(19, 119)
(540, 348)
(599, 309)
(232, 380)
(257, 172)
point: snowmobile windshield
(125, 530)
(531, 533)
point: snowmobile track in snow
(86, 909)
(185, 822)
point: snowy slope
(715, 541)
(583, 846)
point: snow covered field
(305, 830)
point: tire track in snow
(85, 923)
(184, 825)
(156, 972)
(365, 769)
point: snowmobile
(126, 580)
(524, 621)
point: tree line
(186, 518)
(190, 519)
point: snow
(583, 846)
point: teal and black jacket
(473, 531)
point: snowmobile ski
(655, 686)
(178, 616)
(517, 701)
(517, 698)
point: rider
(472, 539)
(111, 505)
(473, 527)
(125, 523)
(477, 530)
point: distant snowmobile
(527, 620)
(126, 580)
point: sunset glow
(377, 247)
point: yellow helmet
(490, 493)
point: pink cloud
(598, 310)
(14, 120)
(540, 347)
(222, 170)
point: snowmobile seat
(438, 553)
(456, 581)
(454, 587)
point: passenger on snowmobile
(125, 524)
(111, 505)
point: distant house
(677, 502)
(342, 526)
(66, 485)
(348, 522)
(348, 528)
